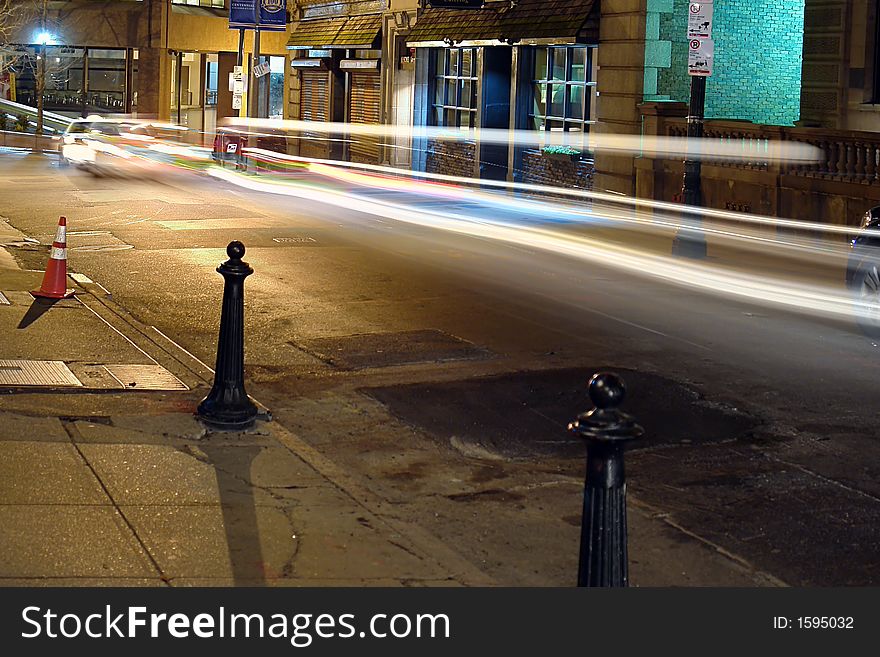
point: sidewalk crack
(75, 437)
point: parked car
(863, 273)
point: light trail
(764, 289)
(673, 218)
(739, 150)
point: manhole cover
(145, 377)
(293, 240)
(3, 300)
(36, 373)
(355, 352)
(526, 413)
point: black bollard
(603, 558)
(228, 406)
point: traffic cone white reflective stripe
(55, 279)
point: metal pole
(254, 95)
(240, 46)
(179, 83)
(690, 241)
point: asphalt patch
(524, 415)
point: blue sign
(268, 15)
(242, 13)
(273, 15)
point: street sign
(237, 80)
(261, 69)
(700, 20)
(701, 52)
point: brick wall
(758, 56)
(451, 158)
(558, 171)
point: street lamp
(44, 38)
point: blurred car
(125, 148)
(863, 273)
(89, 143)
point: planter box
(565, 157)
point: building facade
(168, 59)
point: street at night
(439, 326)
(425, 378)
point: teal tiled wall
(758, 51)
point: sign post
(257, 15)
(690, 241)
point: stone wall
(451, 158)
(557, 170)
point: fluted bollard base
(603, 554)
(225, 411)
(228, 406)
(603, 558)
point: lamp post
(44, 38)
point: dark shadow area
(525, 414)
(38, 307)
(232, 466)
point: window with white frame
(564, 92)
(455, 87)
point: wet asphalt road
(761, 423)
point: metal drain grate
(355, 352)
(145, 377)
(3, 300)
(294, 240)
(36, 373)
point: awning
(351, 32)
(528, 22)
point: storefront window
(455, 87)
(563, 91)
(106, 80)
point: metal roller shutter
(313, 97)
(314, 106)
(364, 108)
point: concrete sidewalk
(107, 478)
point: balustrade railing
(847, 156)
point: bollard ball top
(607, 390)
(235, 250)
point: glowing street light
(44, 38)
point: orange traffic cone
(55, 280)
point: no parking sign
(701, 52)
(701, 48)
